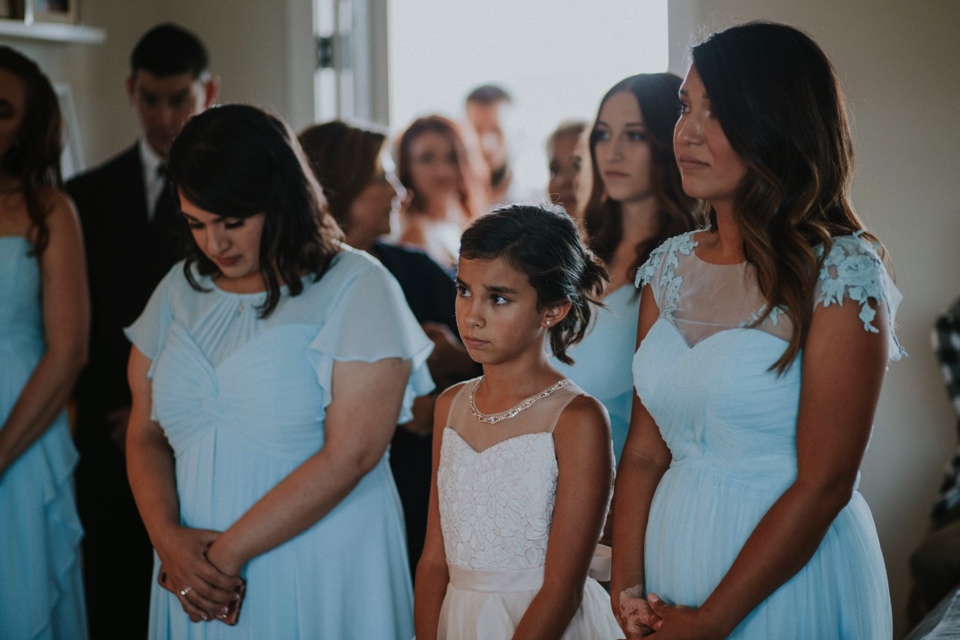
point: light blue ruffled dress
(603, 359)
(731, 424)
(242, 401)
(41, 585)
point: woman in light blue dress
(763, 345)
(269, 371)
(44, 324)
(636, 202)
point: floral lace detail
(496, 505)
(664, 260)
(773, 318)
(852, 269)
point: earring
(548, 323)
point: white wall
(263, 52)
(898, 64)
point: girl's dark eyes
(637, 136)
(682, 108)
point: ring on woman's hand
(185, 591)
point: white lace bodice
(496, 505)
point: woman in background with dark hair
(254, 451)
(434, 163)
(636, 202)
(44, 325)
(763, 343)
(355, 172)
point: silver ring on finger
(185, 591)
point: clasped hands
(201, 574)
(648, 616)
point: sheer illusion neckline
(697, 244)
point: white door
(351, 78)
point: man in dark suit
(133, 235)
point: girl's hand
(204, 591)
(636, 617)
(680, 623)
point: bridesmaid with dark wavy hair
(763, 343)
(255, 453)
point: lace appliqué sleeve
(659, 271)
(852, 269)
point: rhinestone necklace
(510, 413)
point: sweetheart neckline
(496, 444)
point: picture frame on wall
(62, 11)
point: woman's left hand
(680, 623)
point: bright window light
(556, 58)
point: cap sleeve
(853, 270)
(370, 321)
(659, 271)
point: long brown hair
(35, 155)
(656, 95)
(467, 186)
(779, 102)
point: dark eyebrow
(601, 123)
(500, 289)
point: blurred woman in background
(434, 164)
(564, 163)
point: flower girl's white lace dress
(496, 494)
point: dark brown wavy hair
(780, 104)
(466, 181)
(543, 243)
(35, 155)
(237, 161)
(656, 94)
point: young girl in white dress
(522, 457)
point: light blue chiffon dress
(602, 360)
(41, 584)
(730, 424)
(242, 401)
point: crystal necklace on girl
(494, 418)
